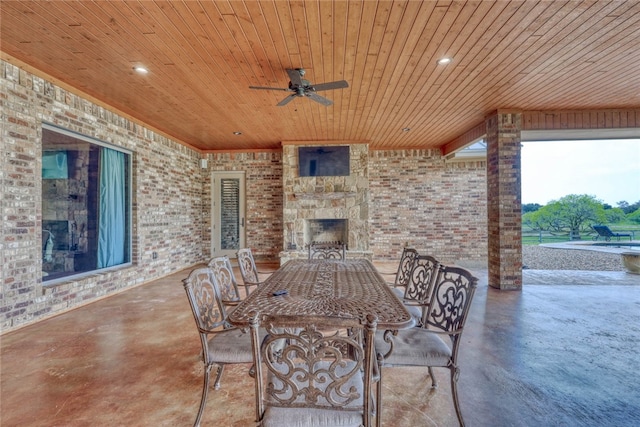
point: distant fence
(533, 237)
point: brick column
(504, 200)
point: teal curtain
(112, 205)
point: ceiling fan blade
(270, 88)
(321, 99)
(341, 84)
(287, 100)
(294, 76)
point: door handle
(242, 222)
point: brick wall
(419, 200)
(263, 182)
(167, 199)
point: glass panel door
(228, 228)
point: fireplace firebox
(326, 230)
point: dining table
(317, 288)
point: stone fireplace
(326, 208)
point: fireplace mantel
(330, 196)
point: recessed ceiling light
(406, 129)
(140, 69)
(443, 61)
(237, 133)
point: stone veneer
(326, 197)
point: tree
(634, 216)
(614, 215)
(629, 208)
(623, 204)
(572, 214)
(530, 207)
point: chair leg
(205, 392)
(216, 383)
(434, 382)
(379, 400)
(455, 373)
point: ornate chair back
(223, 272)
(403, 275)
(305, 373)
(248, 268)
(450, 302)
(205, 301)
(424, 274)
(327, 250)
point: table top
(325, 288)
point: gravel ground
(542, 258)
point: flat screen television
(331, 160)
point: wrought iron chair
(248, 270)
(317, 378)
(403, 274)
(437, 342)
(404, 269)
(221, 344)
(327, 250)
(227, 283)
(417, 291)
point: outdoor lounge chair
(607, 234)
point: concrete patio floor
(562, 352)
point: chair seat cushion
(399, 292)
(415, 347)
(414, 310)
(310, 417)
(230, 346)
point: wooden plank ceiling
(202, 57)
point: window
(86, 204)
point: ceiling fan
(302, 87)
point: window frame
(129, 200)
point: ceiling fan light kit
(300, 87)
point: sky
(606, 169)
